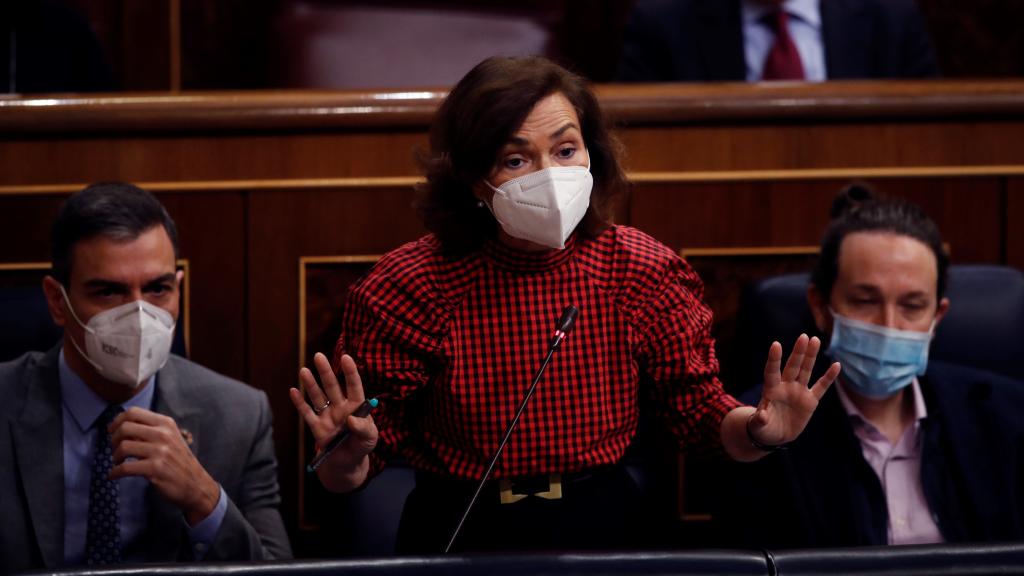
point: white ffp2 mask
(126, 344)
(543, 207)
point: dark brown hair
(475, 122)
(858, 208)
(116, 210)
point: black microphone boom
(565, 324)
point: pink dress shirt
(898, 467)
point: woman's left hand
(786, 402)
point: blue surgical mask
(877, 361)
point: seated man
(111, 449)
(752, 40)
(903, 450)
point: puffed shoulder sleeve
(393, 325)
(675, 351)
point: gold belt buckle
(554, 491)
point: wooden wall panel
(212, 237)
(1013, 225)
(25, 223)
(145, 58)
(826, 145)
(135, 37)
(794, 213)
(692, 215)
(155, 158)
(227, 44)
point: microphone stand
(565, 324)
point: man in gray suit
(111, 448)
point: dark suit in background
(702, 40)
(230, 428)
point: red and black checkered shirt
(450, 347)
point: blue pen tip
(374, 402)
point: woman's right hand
(331, 413)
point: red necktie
(783, 61)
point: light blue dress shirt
(804, 29)
(81, 408)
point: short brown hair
(116, 210)
(475, 122)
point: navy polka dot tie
(103, 537)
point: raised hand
(787, 403)
(329, 413)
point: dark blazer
(702, 40)
(230, 424)
(820, 492)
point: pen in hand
(360, 412)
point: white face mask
(543, 207)
(126, 344)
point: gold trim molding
(648, 177)
(828, 174)
(748, 251)
(227, 185)
(24, 266)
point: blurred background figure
(753, 40)
(349, 46)
(238, 44)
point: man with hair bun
(903, 450)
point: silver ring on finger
(320, 410)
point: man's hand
(150, 445)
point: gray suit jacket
(230, 424)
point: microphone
(565, 324)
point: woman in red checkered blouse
(448, 330)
